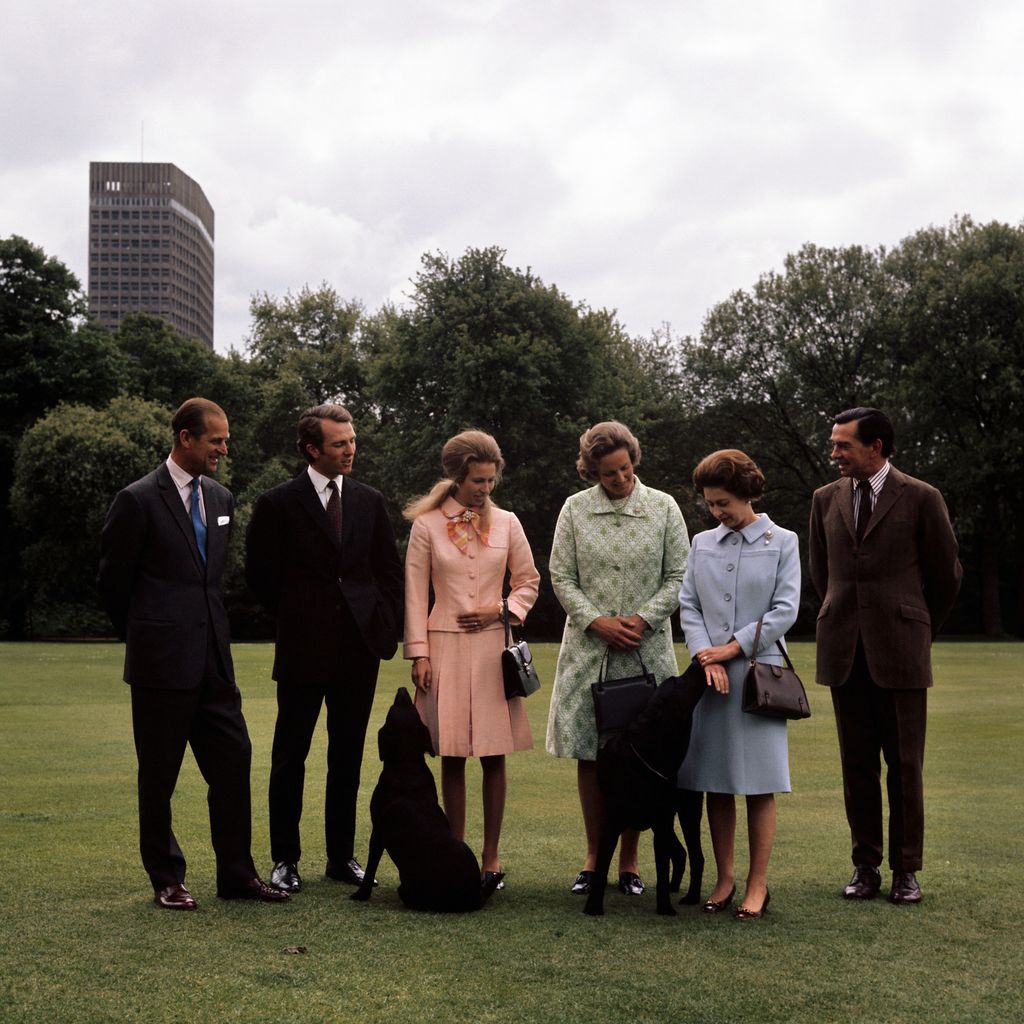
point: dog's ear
(402, 697)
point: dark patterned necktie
(197, 520)
(864, 513)
(334, 510)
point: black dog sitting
(637, 771)
(437, 871)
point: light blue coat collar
(762, 526)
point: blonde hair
(457, 455)
(602, 439)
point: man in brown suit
(883, 559)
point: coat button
(735, 540)
(725, 625)
(728, 597)
(730, 567)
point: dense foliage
(932, 331)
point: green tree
(164, 365)
(70, 465)
(487, 345)
(960, 333)
(49, 352)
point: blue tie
(197, 520)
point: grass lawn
(81, 941)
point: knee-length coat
(611, 558)
(465, 708)
(734, 578)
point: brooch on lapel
(768, 534)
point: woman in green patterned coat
(617, 562)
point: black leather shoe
(904, 888)
(254, 889)
(492, 880)
(174, 897)
(581, 887)
(864, 885)
(745, 914)
(285, 876)
(350, 872)
(711, 906)
(630, 884)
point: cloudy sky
(649, 157)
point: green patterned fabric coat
(611, 558)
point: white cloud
(650, 158)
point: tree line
(932, 331)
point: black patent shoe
(630, 884)
(864, 885)
(581, 887)
(285, 876)
(351, 872)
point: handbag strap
(504, 618)
(757, 644)
(604, 662)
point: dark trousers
(349, 698)
(872, 721)
(209, 719)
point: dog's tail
(490, 882)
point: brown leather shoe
(254, 889)
(865, 883)
(174, 897)
(746, 914)
(904, 888)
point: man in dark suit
(321, 556)
(883, 558)
(164, 546)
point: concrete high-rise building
(150, 246)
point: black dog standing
(637, 770)
(437, 871)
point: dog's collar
(649, 767)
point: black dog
(437, 871)
(637, 771)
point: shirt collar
(320, 481)
(182, 477)
(877, 481)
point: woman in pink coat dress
(461, 544)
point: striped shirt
(875, 482)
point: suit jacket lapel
(846, 504)
(169, 493)
(310, 501)
(216, 536)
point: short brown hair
(733, 471)
(602, 439)
(311, 427)
(191, 416)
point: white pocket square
(223, 520)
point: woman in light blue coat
(744, 570)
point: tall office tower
(150, 246)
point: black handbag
(517, 671)
(618, 701)
(773, 691)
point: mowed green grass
(81, 941)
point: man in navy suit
(164, 546)
(321, 556)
